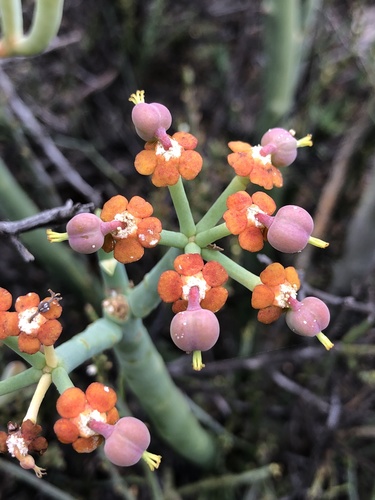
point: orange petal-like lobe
(149, 230)
(214, 273)
(239, 146)
(235, 221)
(241, 162)
(139, 207)
(251, 239)
(262, 297)
(291, 275)
(87, 445)
(145, 162)
(71, 403)
(239, 201)
(170, 286)
(101, 397)
(188, 264)
(264, 202)
(165, 174)
(112, 416)
(28, 344)
(115, 205)
(186, 140)
(128, 250)
(27, 301)
(5, 299)
(66, 431)
(215, 299)
(273, 275)
(269, 314)
(54, 311)
(49, 332)
(8, 324)
(190, 164)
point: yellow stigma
(54, 237)
(305, 141)
(325, 341)
(197, 361)
(138, 97)
(152, 460)
(317, 242)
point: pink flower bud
(289, 230)
(281, 145)
(308, 317)
(195, 329)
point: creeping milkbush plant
(191, 277)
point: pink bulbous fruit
(84, 233)
(281, 145)
(290, 229)
(151, 120)
(125, 441)
(195, 329)
(308, 317)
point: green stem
(182, 207)
(215, 213)
(37, 399)
(173, 239)
(11, 22)
(210, 235)
(146, 375)
(234, 270)
(19, 381)
(113, 274)
(144, 297)
(101, 335)
(61, 379)
(64, 267)
(45, 25)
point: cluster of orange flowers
(34, 322)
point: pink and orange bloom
(34, 322)
(167, 165)
(247, 161)
(77, 408)
(190, 270)
(279, 285)
(140, 229)
(241, 220)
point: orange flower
(166, 166)
(279, 285)
(34, 321)
(240, 218)
(77, 408)
(190, 270)
(247, 161)
(141, 230)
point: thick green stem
(45, 25)
(61, 379)
(173, 239)
(19, 381)
(234, 270)
(182, 207)
(11, 21)
(215, 212)
(63, 266)
(38, 396)
(145, 373)
(144, 297)
(101, 335)
(215, 233)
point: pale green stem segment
(182, 207)
(45, 25)
(19, 381)
(11, 22)
(37, 399)
(61, 379)
(145, 373)
(210, 235)
(114, 275)
(101, 335)
(144, 297)
(50, 355)
(64, 267)
(215, 212)
(235, 271)
(173, 239)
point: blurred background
(227, 70)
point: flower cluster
(241, 218)
(167, 165)
(190, 270)
(272, 296)
(34, 321)
(22, 440)
(139, 231)
(77, 408)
